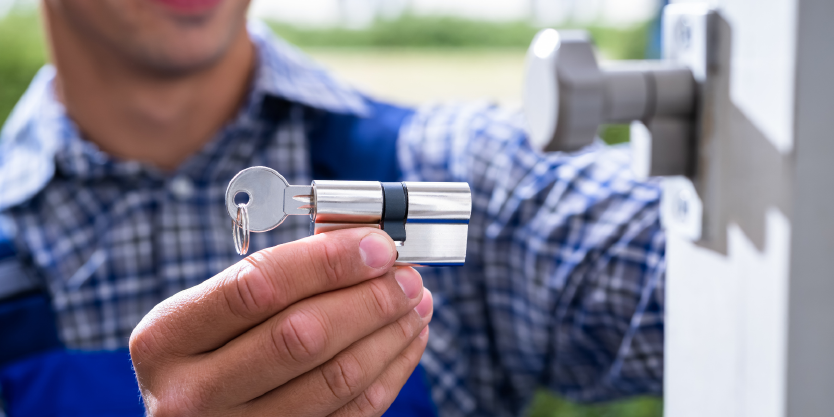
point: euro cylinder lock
(428, 221)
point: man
(113, 168)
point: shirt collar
(38, 131)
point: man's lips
(190, 6)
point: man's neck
(134, 114)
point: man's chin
(178, 62)
(184, 50)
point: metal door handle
(568, 95)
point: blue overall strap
(27, 324)
(348, 147)
(65, 383)
(38, 377)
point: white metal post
(750, 310)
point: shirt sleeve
(563, 283)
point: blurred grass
(547, 405)
(614, 134)
(22, 52)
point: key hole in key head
(242, 197)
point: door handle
(567, 95)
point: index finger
(206, 316)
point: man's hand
(320, 326)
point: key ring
(241, 223)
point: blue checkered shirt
(562, 287)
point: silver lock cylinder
(428, 221)
(438, 201)
(347, 202)
(437, 223)
(430, 228)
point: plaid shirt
(562, 288)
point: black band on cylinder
(394, 210)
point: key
(428, 221)
(266, 195)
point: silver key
(427, 220)
(267, 192)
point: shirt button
(181, 187)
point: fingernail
(375, 250)
(424, 308)
(425, 331)
(409, 281)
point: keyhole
(242, 197)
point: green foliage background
(450, 32)
(22, 52)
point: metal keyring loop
(241, 223)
